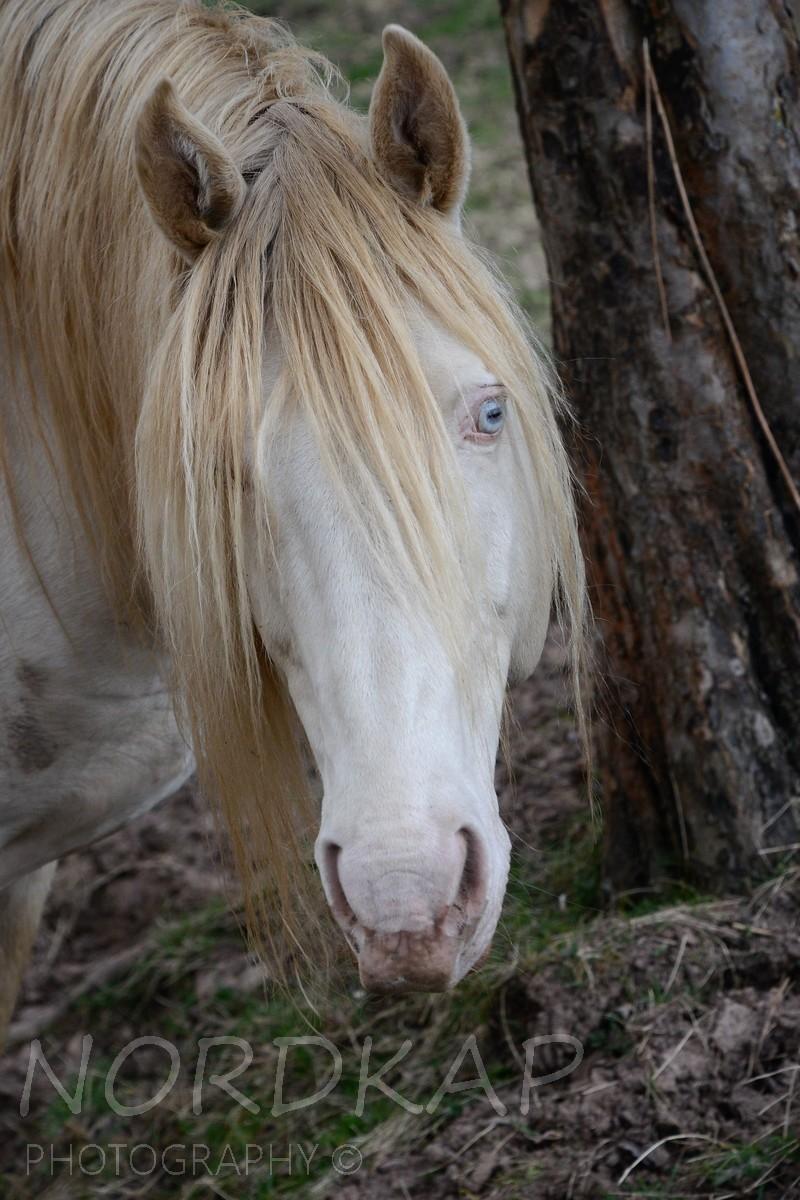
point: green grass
(749, 1168)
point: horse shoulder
(88, 733)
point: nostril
(440, 892)
(472, 889)
(333, 885)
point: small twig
(583, 1171)
(490, 1125)
(675, 1137)
(515, 1054)
(673, 1054)
(681, 817)
(715, 288)
(790, 803)
(651, 196)
(774, 1002)
(676, 966)
(770, 1074)
(583, 959)
(598, 1087)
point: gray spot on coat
(31, 677)
(32, 746)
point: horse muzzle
(416, 920)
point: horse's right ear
(191, 184)
(419, 139)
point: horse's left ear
(192, 186)
(419, 139)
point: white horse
(273, 446)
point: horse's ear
(191, 184)
(419, 139)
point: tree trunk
(691, 530)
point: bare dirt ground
(689, 1021)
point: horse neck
(82, 370)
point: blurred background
(469, 39)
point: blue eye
(491, 416)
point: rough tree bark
(691, 531)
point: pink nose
(406, 915)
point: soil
(689, 1021)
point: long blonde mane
(152, 372)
